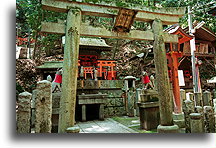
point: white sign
(181, 78)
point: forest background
(47, 47)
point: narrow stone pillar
(214, 94)
(34, 96)
(43, 107)
(196, 123)
(131, 98)
(83, 112)
(188, 108)
(198, 99)
(214, 104)
(199, 109)
(138, 99)
(163, 85)
(190, 96)
(24, 113)
(101, 112)
(70, 71)
(207, 98)
(209, 119)
(182, 95)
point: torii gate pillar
(70, 71)
(163, 85)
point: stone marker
(43, 107)
(196, 123)
(214, 102)
(24, 113)
(188, 108)
(34, 95)
(214, 94)
(163, 85)
(129, 88)
(209, 119)
(70, 70)
(207, 98)
(198, 99)
(182, 95)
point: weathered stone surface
(70, 70)
(24, 113)
(214, 93)
(179, 119)
(73, 129)
(168, 129)
(149, 115)
(104, 84)
(196, 123)
(168, 16)
(209, 119)
(131, 101)
(207, 98)
(214, 102)
(43, 107)
(165, 98)
(56, 99)
(188, 108)
(198, 99)
(182, 95)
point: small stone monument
(24, 113)
(129, 88)
(43, 107)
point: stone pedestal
(24, 113)
(43, 107)
(179, 119)
(168, 129)
(196, 123)
(149, 115)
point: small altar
(85, 99)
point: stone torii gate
(74, 28)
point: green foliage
(30, 14)
(199, 10)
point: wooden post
(70, 69)
(163, 85)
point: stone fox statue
(147, 83)
(56, 84)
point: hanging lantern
(124, 20)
